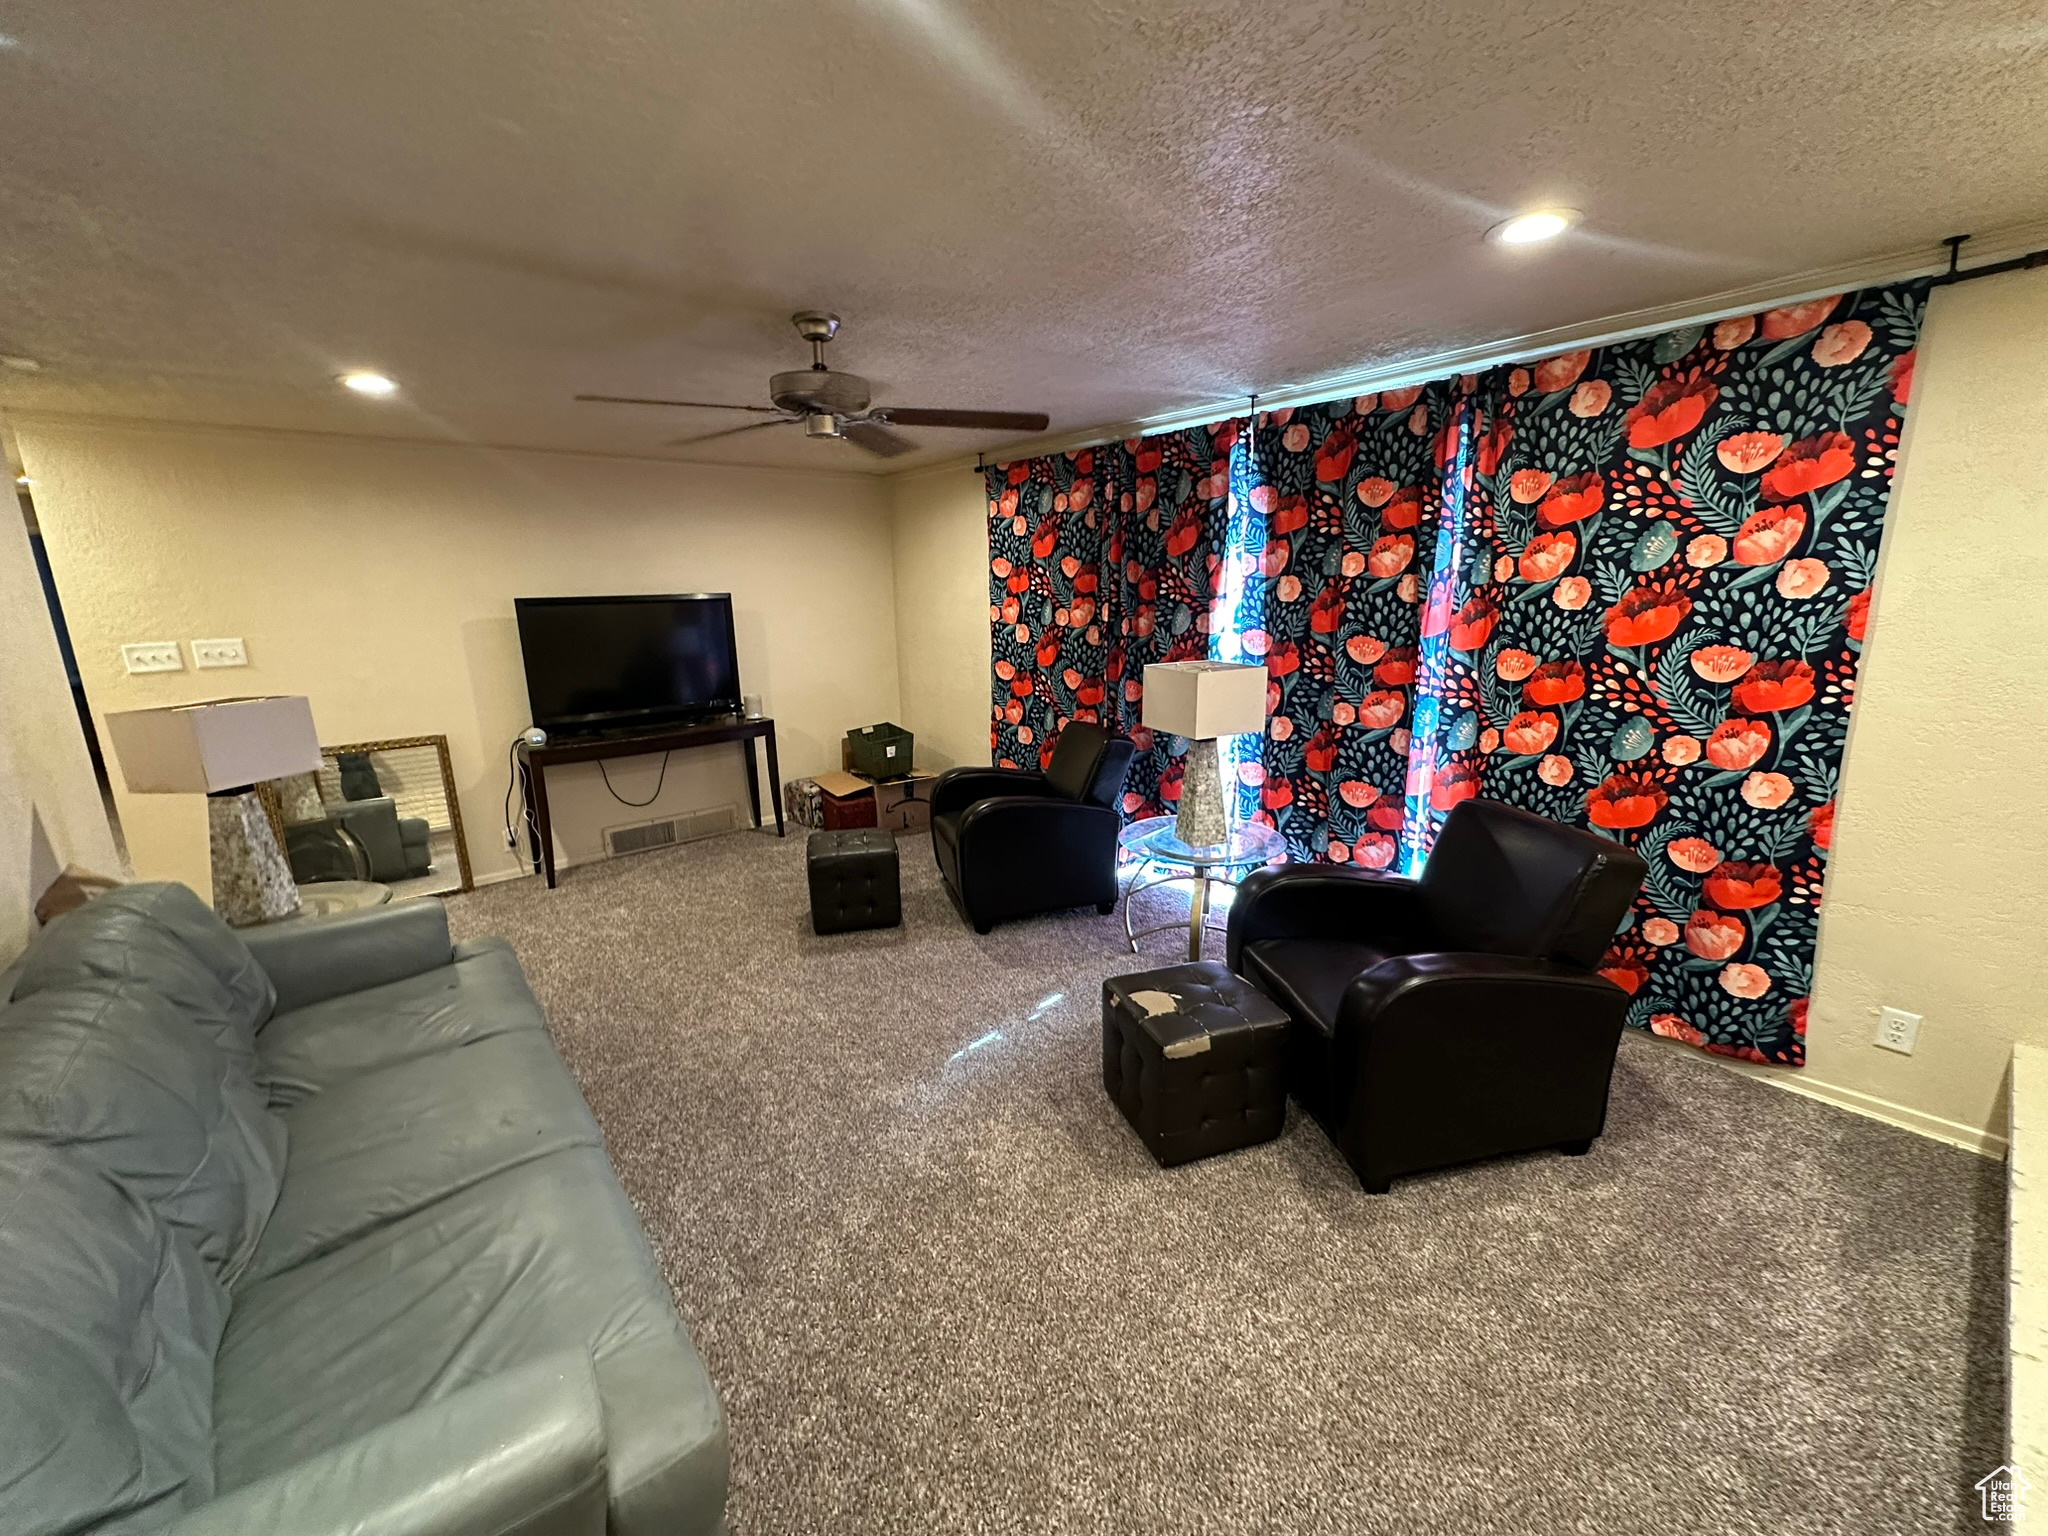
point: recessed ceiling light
(1531, 228)
(21, 364)
(369, 384)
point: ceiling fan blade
(752, 426)
(695, 405)
(988, 421)
(876, 439)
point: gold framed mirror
(379, 822)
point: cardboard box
(846, 800)
(905, 805)
(900, 805)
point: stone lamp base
(1204, 819)
(252, 883)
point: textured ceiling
(1104, 211)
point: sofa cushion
(108, 1326)
(111, 1071)
(384, 1145)
(481, 994)
(165, 937)
(542, 1257)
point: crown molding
(1396, 373)
(12, 417)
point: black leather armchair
(1013, 843)
(1454, 1017)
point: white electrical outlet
(219, 653)
(153, 656)
(1897, 1030)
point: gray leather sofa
(360, 840)
(306, 1229)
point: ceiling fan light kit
(837, 405)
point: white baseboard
(1954, 1132)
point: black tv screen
(614, 663)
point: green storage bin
(880, 751)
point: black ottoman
(1195, 1058)
(853, 880)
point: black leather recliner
(1454, 1017)
(1014, 843)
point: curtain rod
(1991, 269)
(1952, 275)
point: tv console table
(534, 763)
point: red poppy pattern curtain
(1641, 612)
(1345, 503)
(1101, 561)
(1626, 588)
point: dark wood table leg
(753, 783)
(543, 827)
(774, 781)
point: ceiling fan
(832, 404)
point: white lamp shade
(1204, 699)
(195, 749)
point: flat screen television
(597, 664)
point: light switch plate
(153, 656)
(1897, 1030)
(219, 653)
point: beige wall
(1937, 901)
(378, 577)
(942, 634)
(50, 810)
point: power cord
(659, 780)
(512, 784)
(513, 787)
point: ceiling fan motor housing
(819, 389)
(836, 404)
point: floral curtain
(1636, 601)
(1101, 561)
(1346, 504)
(1683, 532)
(1626, 588)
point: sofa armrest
(519, 1454)
(318, 958)
(958, 788)
(1032, 853)
(1463, 989)
(1015, 830)
(1503, 1036)
(1324, 901)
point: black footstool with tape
(1196, 1060)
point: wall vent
(640, 836)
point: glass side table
(1251, 844)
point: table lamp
(1203, 700)
(222, 749)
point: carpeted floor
(942, 1287)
